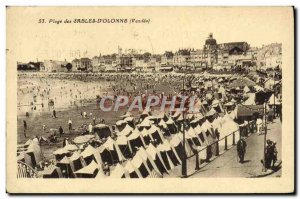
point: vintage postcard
(150, 99)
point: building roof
(85, 59)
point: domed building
(210, 50)
(210, 41)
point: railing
(25, 171)
(244, 131)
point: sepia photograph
(150, 99)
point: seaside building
(82, 64)
(55, 66)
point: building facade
(82, 64)
(269, 56)
(55, 66)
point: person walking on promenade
(25, 128)
(259, 125)
(54, 114)
(44, 128)
(94, 120)
(25, 125)
(271, 154)
(61, 131)
(241, 149)
(70, 125)
(90, 128)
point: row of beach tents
(131, 142)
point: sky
(170, 28)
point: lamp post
(265, 136)
(274, 108)
(183, 167)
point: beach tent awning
(129, 119)
(137, 161)
(144, 132)
(250, 100)
(89, 169)
(121, 140)
(88, 151)
(175, 141)
(170, 121)
(75, 156)
(145, 123)
(81, 139)
(197, 129)
(71, 147)
(211, 112)
(60, 151)
(162, 124)
(109, 144)
(134, 135)
(126, 131)
(120, 122)
(49, 170)
(101, 126)
(228, 128)
(65, 160)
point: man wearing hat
(271, 154)
(241, 149)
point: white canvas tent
(111, 145)
(156, 158)
(133, 172)
(126, 131)
(119, 172)
(76, 162)
(138, 163)
(135, 140)
(91, 152)
(89, 170)
(147, 160)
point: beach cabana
(102, 131)
(89, 171)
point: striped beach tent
(133, 172)
(138, 163)
(123, 145)
(155, 157)
(147, 160)
(114, 150)
(90, 153)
